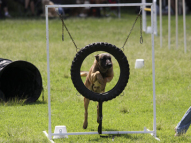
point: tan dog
(99, 74)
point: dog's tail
(84, 73)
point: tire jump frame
(94, 96)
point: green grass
(26, 40)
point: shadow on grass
(114, 136)
(38, 102)
(15, 102)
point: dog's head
(104, 60)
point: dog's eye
(103, 58)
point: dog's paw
(85, 125)
(97, 72)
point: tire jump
(124, 71)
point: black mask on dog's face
(104, 60)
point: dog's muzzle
(109, 65)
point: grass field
(26, 40)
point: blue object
(185, 122)
(60, 11)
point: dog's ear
(97, 57)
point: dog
(99, 74)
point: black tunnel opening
(19, 80)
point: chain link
(141, 37)
(64, 25)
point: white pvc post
(153, 69)
(160, 5)
(48, 77)
(119, 10)
(155, 17)
(145, 131)
(176, 9)
(144, 18)
(184, 21)
(169, 17)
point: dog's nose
(109, 65)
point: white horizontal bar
(46, 134)
(102, 5)
(104, 132)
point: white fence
(177, 10)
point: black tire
(123, 78)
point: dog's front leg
(108, 79)
(86, 103)
(96, 76)
(100, 78)
(93, 77)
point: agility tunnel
(19, 80)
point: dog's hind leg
(86, 103)
(98, 113)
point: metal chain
(62, 32)
(64, 25)
(141, 37)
